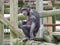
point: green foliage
(57, 17)
(20, 4)
(21, 17)
(6, 10)
(57, 7)
(47, 8)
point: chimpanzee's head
(26, 10)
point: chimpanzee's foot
(31, 38)
(25, 39)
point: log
(46, 2)
(45, 7)
(32, 42)
(57, 2)
(1, 25)
(14, 12)
(13, 17)
(56, 34)
(14, 29)
(47, 38)
(49, 13)
(39, 8)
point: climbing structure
(48, 22)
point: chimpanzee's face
(25, 12)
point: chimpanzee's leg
(35, 31)
(26, 30)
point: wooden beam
(45, 7)
(56, 34)
(48, 38)
(55, 12)
(39, 8)
(57, 2)
(32, 42)
(1, 25)
(53, 17)
(14, 12)
(13, 28)
(13, 17)
(46, 2)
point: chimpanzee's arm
(32, 27)
(32, 30)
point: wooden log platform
(32, 42)
(7, 42)
(29, 42)
(35, 43)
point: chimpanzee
(31, 26)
